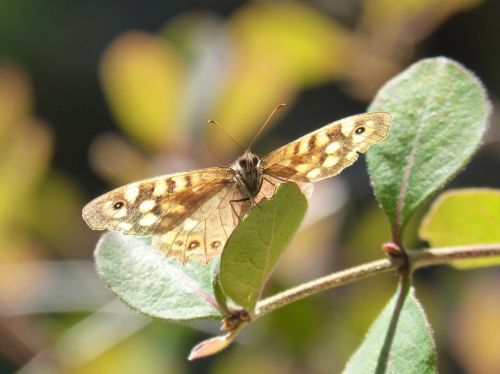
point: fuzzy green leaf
(399, 341)
(256, 244)
(153, 284)
(461, 217)
(440, 111)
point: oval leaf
(461, 217)
(439, 111)
(143, 79)
(399, 341)
(153, 284)
(256, 244)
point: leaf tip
(212, 346)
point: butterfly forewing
(157, 204)
(327, 151)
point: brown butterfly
(190, 215)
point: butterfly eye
(243, 163)
(118, 205)
(255, 160)
(360, 130)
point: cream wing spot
(286, 162)
(195, 179)
(303, 147)
(322, 139)
(302, 168)
(148, 220)
(122, 212)
(180, 183)
(146, 206)
(332, 148)
(168, 237)
(131, 192)
(351, 156)
(190, 224)
(331, 161)
(160, 188)
(358, 138)
(347, 126)
(313, 173)
(124, 226)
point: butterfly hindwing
(204, 233)
(327, 151)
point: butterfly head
(249, 172)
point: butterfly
(190, 215)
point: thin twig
(330, 281)
(417, 259)
(445, 255)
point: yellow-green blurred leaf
(251, 93)
(23, 161)
(461, 217)
(303, 44)
(372, 223)
(277, 49)
(393, 15)
(138, 354)
(203, 41)
(266, 358)
(57, 200)
(388, 33)
(475, 330)
(144, 82)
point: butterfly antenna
(225, 132)
(278, 107)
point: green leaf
(399, 341)
(440, 111)
(256, 244)
(220, 296)
(153, 284)
(461, 217)
(144, 80)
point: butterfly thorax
(248, 173)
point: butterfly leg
(281, 179)
(268, 181)
(238, 201)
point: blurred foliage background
(95, 94)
